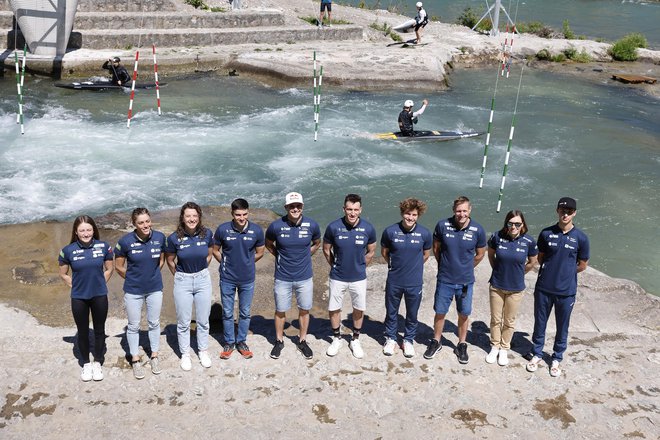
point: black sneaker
(277, 349)
(305, 350)
(433, 348)
(461, 352)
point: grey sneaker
(155, 365)
(138, 370)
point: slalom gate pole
(504, 50)
(490, 124)
(508, 148)
(318, 104)
(21, 106)
(130, 104)
(156, 79)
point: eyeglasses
(512, 224)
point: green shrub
(559, 58)
(543, 55)
(386, 29)
(582, 57)
(570, 52)
(568, 33)
(197, 4)
(625, 49)
(536, 28)
(468, 18)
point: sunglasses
(566, 211)
(294, 206)
(512, 224)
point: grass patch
(625, 49)
(199, 4)
(568, 54)
(568, 33)
(386, 29)
(315, 21)
(536, 28)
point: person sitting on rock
(407, 117)
(120, 75)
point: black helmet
(116, 59)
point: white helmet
(408, 103)
(419, 4)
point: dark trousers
(543, 304)
(413, 298)
(81, 308)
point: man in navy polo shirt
(405, 246)
(459, 245)
(237, 245)
(563, 253)
(292, 240)
(349, 244)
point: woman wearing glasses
(511, 253)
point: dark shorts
(420, 26)
(325, 6)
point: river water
(225, 137)
(595, 19)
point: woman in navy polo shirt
(139, 258)
(511, 253)
(90, 262)
(188, 252)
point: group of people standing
(458, 244)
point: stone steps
(190, 37)
(176, 20)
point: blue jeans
(189, 289)
(543, 303)
(227, 297)
(133, 303)
(445, 294)
(413, 299)
(283, 291)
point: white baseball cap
(419, 4)
(293, 197)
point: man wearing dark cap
(119, 73)
(563, 253)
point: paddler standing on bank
(407, 117)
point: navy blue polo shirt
(142, 262)
(349, 246)
(294, 259)
(191, 251)
(238, 249)
(510, 259)
(87, 266)
(406, 268)
(457, 250)
(561, 252)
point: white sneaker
(408, 349)
(356, 348)
(492, 356)
(86, 374)
(388, 348)
(205, 359)
(503, 358)
(334, 347)
(97, 371)
(186, 363)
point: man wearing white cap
(292, 240)
(421, 20)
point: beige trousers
(504, 306)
